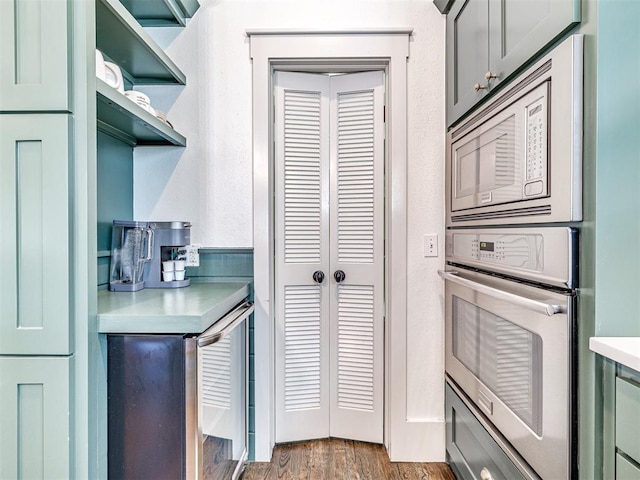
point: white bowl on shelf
(138, 98)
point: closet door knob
(318, 276)
(339, 275)
(477, 87)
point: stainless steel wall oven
(509, 343)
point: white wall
(209, 182)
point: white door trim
(387, 49)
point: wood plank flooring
(337, 459)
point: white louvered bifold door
(357, 248)
(329, 156)
(302, 242)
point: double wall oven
(514, 189)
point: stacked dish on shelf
(111, 74)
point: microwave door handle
(222, 327)
(528, 303)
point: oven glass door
(508, 347)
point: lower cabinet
(35, 417)
(626, 469)
(627, 424)
(471, 452)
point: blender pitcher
(131, 249)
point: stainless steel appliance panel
(547, 256)
(159, 425)
(508, 347)
(519, 159)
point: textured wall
(209, 182)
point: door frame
(327, 51)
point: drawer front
(627, 418)
(470, 449)
(626, 470)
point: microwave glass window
(504, 356)
(487, 162)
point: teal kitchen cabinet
(621, 444)
(467, 55)
(489, 40)
(34, 234)
(34, 417)
(618, 361)
(35, 45)
(627, 425)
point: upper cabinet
(489, 40)
(34, 55)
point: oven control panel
(523, 251)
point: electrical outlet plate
(193, 257)
(431, 245)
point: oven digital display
(486, 246)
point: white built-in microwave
(518, 159)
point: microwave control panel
(523, 251)
(536, 148)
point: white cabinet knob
(485, 474)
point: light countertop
(191, 309)
(623, 350)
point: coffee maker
(166, 268)
(148, 255)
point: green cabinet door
(34, 55)
(34, 234)
(467, 53)
(35, 417)
(489, 40)
(518, 29)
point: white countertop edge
(623, 350)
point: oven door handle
(222, 327)
(528, 303)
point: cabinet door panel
(34, 55)
(521, 28)
(34, 234)
(467, 55)
(34, 417)
(627, 420)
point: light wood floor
(336, 459)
